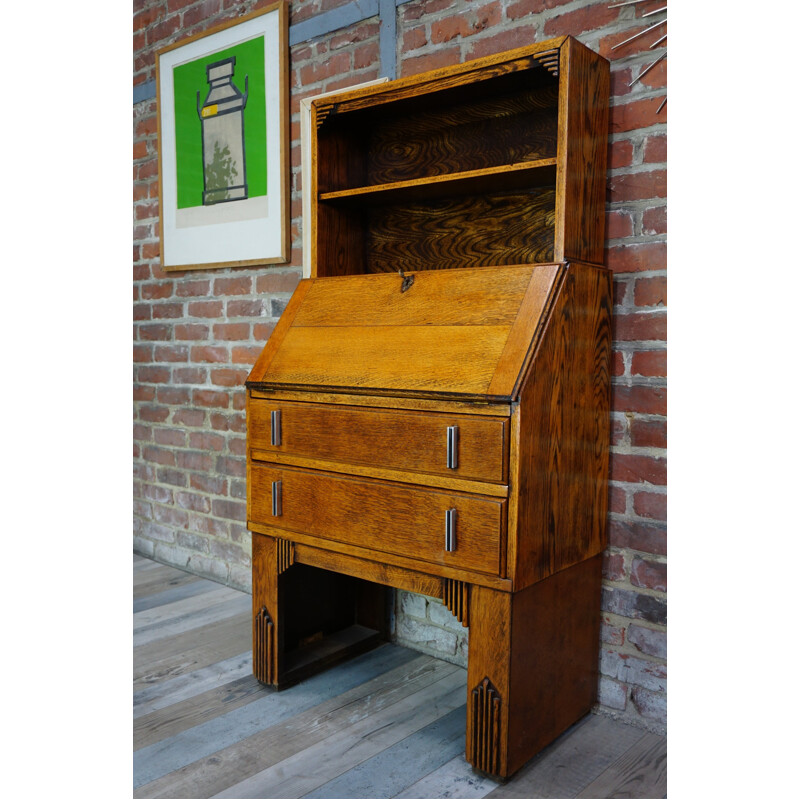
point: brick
(167, 310)
(641, 399)
(649, 574)
(581, 19)
(144, 394)
(637, 257)
(654, 221)
(636, 114)
(170, 437)
(228, 377)
(234, 467)
(640, 327)
(655, 149)
(613, 566)
(620, 82)
(213, 484)
(441, 57)
(229, 509)
(152, 374)
(618, 431)
(189, 417)
(619, 224)
(171, 353)
(210, 354)
(648, 433)
(206, 308)
(159, 455)
(632, 186)
(430, 638)
(414, 604)
(158, 494)
(233, 286)
(194, 460)
(190, 375)
(211, 399)
(642, 536)
(199, 12)
(611, 633)
(173, 395)
(633, 671)
(232, 331)
(633, 605)
(245, 308)
(620, 154)
(650, 291)
(627, 468)
(648, 641)
(191, 332)
(617, 364)
(611, 693)
(656, 78)
(489, 44)
(170, 515)
(414, 39)
(207, 441)
(617, 500)
(193, 288)
(142, 433)
(650, 505)
(321, 70)
(155, 333)
(651, 705)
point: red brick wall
(196, 333)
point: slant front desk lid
(462, 333)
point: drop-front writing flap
(466, 332)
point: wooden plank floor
(389, 723)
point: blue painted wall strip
(328, 22)
(387, 40)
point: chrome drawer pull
(450, 530)
(452, 447)
(277, 504)
(275, 428)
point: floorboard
(388, 723)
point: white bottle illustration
(222, 126)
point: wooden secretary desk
(431, 412)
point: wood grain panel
(453, 359)
(562, 471)
(472, 297)
(485, 132)
(583, 129)
(396, 439)
(458, 232)
(388, 517)
(555, 626)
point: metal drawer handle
(275, 428)
(452, 447)
(450, 530)
(277, 499)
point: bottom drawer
(407, 521)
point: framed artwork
(222, 144)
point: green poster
(220, 126)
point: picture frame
(223, 117)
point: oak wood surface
(365, 553)
(462, 231)
(384, 474)
(414, 441)
(449, 334)
(562, 469)
(482, 408)
(583, 123)
(392, 518)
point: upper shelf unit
(495, 162)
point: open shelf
(528, 174)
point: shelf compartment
(513, 120)
(541, 172)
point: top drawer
(455, 445)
